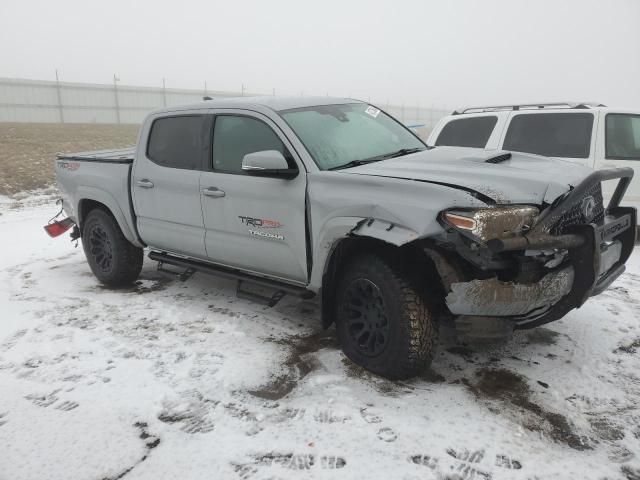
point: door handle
(213, 192)
(144, 183)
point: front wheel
(384, 324)
(112, 258)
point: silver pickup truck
(334, 198)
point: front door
(253, 223)
(165, 184)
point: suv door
(255, 223)
(165, 183)
(567, 135)
(619, 146)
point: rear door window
(467, 132)
(565, 135)
(179, 142)
(622, 136)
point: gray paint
(396, 201)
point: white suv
(590, 134)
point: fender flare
(339, 228)
(106, 199)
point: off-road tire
(112, 258)
(412, 327)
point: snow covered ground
(183, 380)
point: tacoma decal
(260, 233)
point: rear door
(165, 183)
(619, 146)
(566, 135)
(253, 223)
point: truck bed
(102, 176)
(121, 155)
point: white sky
(431, 52)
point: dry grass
(27, 150)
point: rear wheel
(383, 323)
(112, 258)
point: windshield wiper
(401, 152)
(356, 163)
(397, 153)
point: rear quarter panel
(103, 182)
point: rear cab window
(564, 135)
(467, 132)
(179, 141)
(622, 136)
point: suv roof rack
(528, 106)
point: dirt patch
(27, 150)
(140, 287)
(541, 336)
(606, 429)
(389, 387)
(511, 388)
(629, 348)
(299, 363)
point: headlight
(488, 223)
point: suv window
(236, 136)
(467, 132)
(178, 142)
(565, 135)
(622, 136)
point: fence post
(164, 93)
(59, 94)
(115, 94)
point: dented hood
(523, 178)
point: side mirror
(268, 163)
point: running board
(281, 288)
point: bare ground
(27, 150)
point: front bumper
(596, 257)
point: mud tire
(114, 260)
(411, 328)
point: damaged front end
(511, 267)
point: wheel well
(410, 258)
(85, 206)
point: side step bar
(191, 266)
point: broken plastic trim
(492, 297)
(55, 229)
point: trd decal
(260, 222)
(71, 166)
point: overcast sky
(442, 53)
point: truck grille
(576, 216)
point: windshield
(337, 135)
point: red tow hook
(55, 229)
